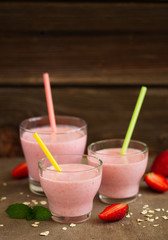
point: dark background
(98, 55)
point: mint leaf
(41, 213)
(19, 211)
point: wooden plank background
(98, 56)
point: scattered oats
(64, 228)
(34, 225)
(156, 225)
(28, 195)
(149, 215)
(144, 212)
(21, 193)
(151, 211)
(131, 213)
(26, 203)
(163, 209)
(3, 198)
(122, 224)
(128, 215)
(43, 202)
(1, 225)
(139, 223)
(156, 218)
(44, 233)
(72, 225)
(146, 206)
(157, 209)
(4, 184)
(150, 219)
(140, 220)
(166, 210)
(143, 226)
(139, 195)
(165, 217)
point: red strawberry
(114, 212)
(157, 182)
(20, 171)
(160, 164)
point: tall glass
(121, 173)
(70, 138)
(70, 192)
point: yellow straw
(133, 119)
(47, 152)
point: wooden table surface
(125, 229)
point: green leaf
(19, 211)
(41, 213)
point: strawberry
(114, 212)
(160, 164)
(156, 181)
(20, 171)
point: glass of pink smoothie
(70, 138)
(70, 193)
(121, 173)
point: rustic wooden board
(85, 16)
(84, 43)
(84, 60)
(106, 110)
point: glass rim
(33, 119)
(121, 140)
(69, 172)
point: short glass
(121, 173)
(70, 192)
(70, 138)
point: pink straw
(49, 101)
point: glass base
(35, 187)
(78, 219)
(109, 200)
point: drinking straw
(47, 152)
(49, 101)
(134, 119)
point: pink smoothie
(70, 193)
(121, 174)
(68, 140)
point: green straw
(133, 119)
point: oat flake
(140, 220)
(144, 212)
(72, 225)
(157, 209)
(44, 233)
(26, 203)
(35, 225)
(156, 225)
(64, 228)
(3, 198)
(165, 217)
(150, 219)
(43, 202)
